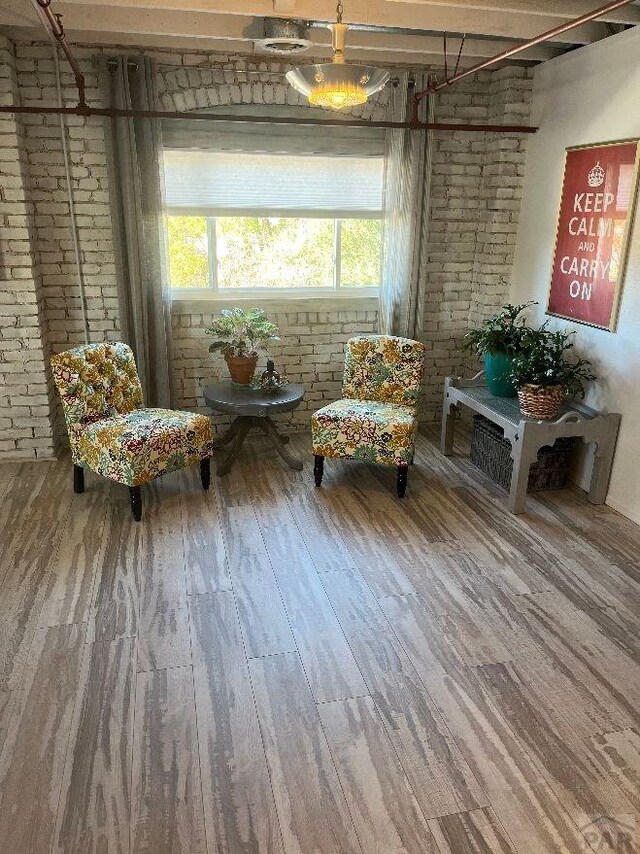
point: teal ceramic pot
(497, 368)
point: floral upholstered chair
(376, 419)
(109, 430)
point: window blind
(219, 183)
(272, 138)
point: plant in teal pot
(498, 340)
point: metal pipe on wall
(57, 30)
(67, 170)
(513, 51)
(415, 124)
(275, 120)
(83, 109)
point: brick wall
(43, 150)
(476, 187)
(311, 351)
(26, 421)
(474, 207)
(501, 192)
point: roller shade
(272, 138)
(231, 183)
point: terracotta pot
(539, 401)
(241, 368)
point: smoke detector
(284, 37)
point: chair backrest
(96, 381)
(383, 368)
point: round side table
(252, 408)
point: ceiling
(390, 32)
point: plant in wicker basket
(544, 376)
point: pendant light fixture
(335, 84)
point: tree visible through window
(188, 249)
(274, 252)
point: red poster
(594, 224)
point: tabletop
(508, 408)
(245, 400)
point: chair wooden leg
(205, 472)
(135, 497)
(402, 480)
(318, 469)
(78, 479)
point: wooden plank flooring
(275, 669)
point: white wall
(588, 96)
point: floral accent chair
(109, 430)
(375, 420)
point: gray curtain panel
(135, 189)
(405, 215)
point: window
(269, 221)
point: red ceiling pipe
(58, 32)
(512, 51)
(82, 109)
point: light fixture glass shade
(336, 85)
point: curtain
(135, 185)
(405, 215)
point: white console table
(527, 435)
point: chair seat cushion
(365, 430)
(138, 446)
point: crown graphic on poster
(595, 178)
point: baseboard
(627, 512)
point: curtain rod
(87, 111)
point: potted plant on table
(544, 376)
(239, 334)
(497, 341)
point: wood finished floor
(274, 668)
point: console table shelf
(527, 435)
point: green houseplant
(239, 334)
(543, 374)
(497, 341)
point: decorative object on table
(252, 408)
(270, 380)
(497, 341)
(335, 84)
(109, 430)
(593, 233)
(544, 376)
(240, 333)
(491, 453)
(375, 421)
(527, 436)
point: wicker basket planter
(539, 401)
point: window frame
(214, 293)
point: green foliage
(272, 252)
(360, 259)
(542, 361)
(240, 332)
(188, 251)
(502, 333)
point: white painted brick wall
(26, 428)
(476, 192)
(311, 352)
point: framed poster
(594, 226)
